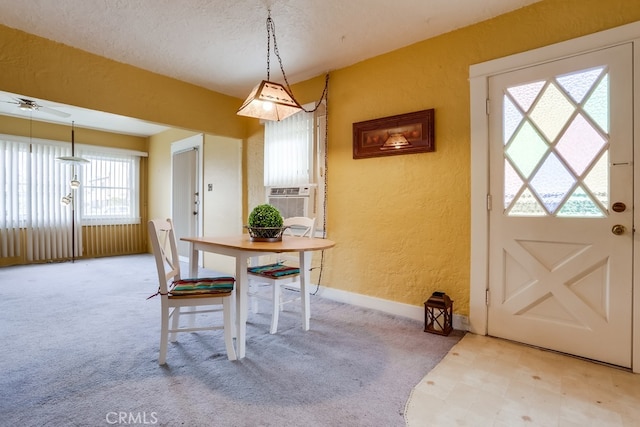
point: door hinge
(486, 297)
(489, 200)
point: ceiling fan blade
(25, 104)
(52, 111)
(10, 102)
(31, 105)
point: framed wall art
(402, 134)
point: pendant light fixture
(72, 159)
(74, 183)
(66, 200)
(70, 199)
(269, 100)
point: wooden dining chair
(177, 293)
(284, 274)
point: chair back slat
(165, 251)
(299, 226)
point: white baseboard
(392, 307)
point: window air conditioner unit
(291, 201)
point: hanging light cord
(326, 182)
(271, 32)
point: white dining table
(242, 248)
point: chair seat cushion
(202, 286)
(274, 270)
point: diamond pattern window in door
(512, 119)
(598, 104)
(552, 112)
(512, 183)
(524, 95)
(556, 146)
(597, 181)
(552, 183)
(579, 84)
(526, 149)
(580, 144)
(580, 204)
(527, 205)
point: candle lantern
(438, 314)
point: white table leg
(241, 303)
(305, 278)
(194, 255)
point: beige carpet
(486, 381)
(80, 348)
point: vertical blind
(35, 226)
(12, 159)
(33, 183)
(10, 156)
(288, 150)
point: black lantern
(438, 314)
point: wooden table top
(243, 241)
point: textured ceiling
(222, 44)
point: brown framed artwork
(402, 134)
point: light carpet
(81, 345)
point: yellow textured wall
(222, 206)
(402, 223)
(254, 173)
(55, 132)
(37, 67)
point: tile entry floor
(486, 381)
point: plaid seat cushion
(202, 286)
(274, 270)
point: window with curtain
(294, 154)
(288, 151)
(34, 182)
(110, 188)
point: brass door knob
(618, 229)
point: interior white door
(561, 224)
(185, 196)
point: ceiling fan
(31, 105)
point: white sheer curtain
(288, 150)
(34, 182)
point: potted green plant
(265, 223)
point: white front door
(561, 219)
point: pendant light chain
(269, 25)
(326, 166)
(271, 32)
(325, 179)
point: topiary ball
(265, 216)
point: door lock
(619, 207)
(618, 229)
